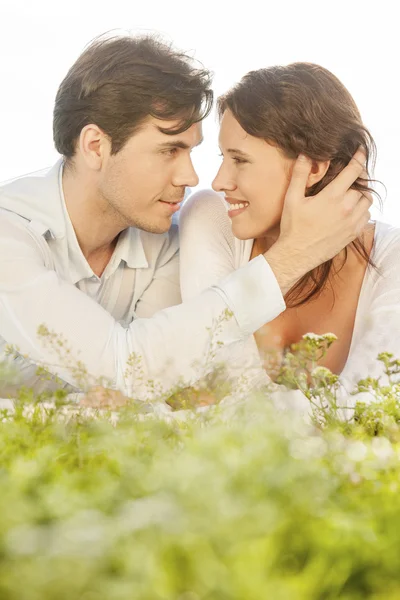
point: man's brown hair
(118, 82)
(303, 108)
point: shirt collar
(130, 249)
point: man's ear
(318, 171)
(94, 146)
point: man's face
(144, 182)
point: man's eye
(171, 151)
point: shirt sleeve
(82, 340)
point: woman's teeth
(238, 206)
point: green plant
(198, 505)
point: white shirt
(106, 323)
(210, 251)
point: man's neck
(95, 224)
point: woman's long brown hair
(303, 108)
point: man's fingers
(99, 397)
(298, 181)
(362, 223)
(353, 197)
(368, 197)
(361, 215)
(90, 402)
(363, 206)
(346, 178)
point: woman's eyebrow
(237, 151)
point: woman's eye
(238, 161)
(172, 152)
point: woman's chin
(251, 231)
(245, 231)
(242, 233)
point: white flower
(321, 372)
(312, 336)
(329, 337)
(357, 451)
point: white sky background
(357, 41)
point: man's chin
(159, 227)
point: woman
(268, 119)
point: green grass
(250, 507)
(248, 504)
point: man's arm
(165, 347)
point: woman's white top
(209, 251)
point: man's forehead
(191, 136)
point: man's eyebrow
(178, 144)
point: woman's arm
(207, 255)
(206, 243)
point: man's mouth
(173, 206)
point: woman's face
(254, 175)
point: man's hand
(99, 397)
(314, 229)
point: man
(88, 250)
